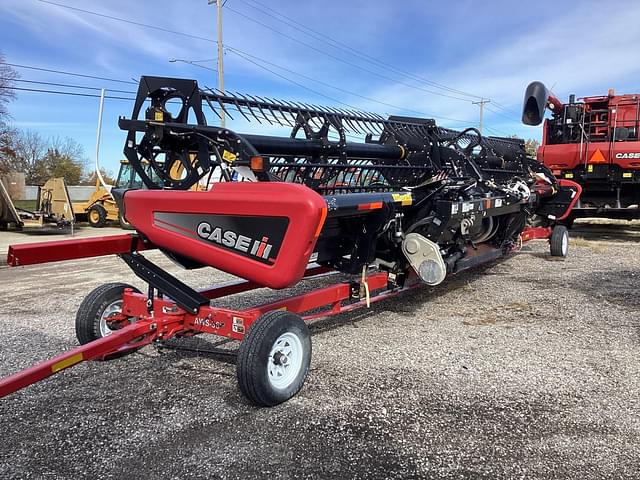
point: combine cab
(595, 143)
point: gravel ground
(523, 369)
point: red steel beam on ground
(43, 252)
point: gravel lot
(526, 368)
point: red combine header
(410, 203)
(594, 142)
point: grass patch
(594, 245)
(25, 204)
(502, 314)
(606, 221)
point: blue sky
(489, 49)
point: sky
(411, 57)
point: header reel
(398, 152)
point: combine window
(595, 121)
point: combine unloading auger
(405, 203)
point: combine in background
(595, 143)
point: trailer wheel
(273, 359)
(559, 241)
(97, 216)
(102, 304)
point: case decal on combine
(258, 238)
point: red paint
(573, 185)
(169, 321)
(302, 206)
(620, 111)
(43, 252)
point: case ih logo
(628, 155)
(255, 237)
(231, 239)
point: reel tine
(237, 105)
(212, 107)
(365, 124)
(303, 108)
(278, 106)
(259, 107)
(312, 115)
(219, 98)
(349, 121)
(248, 107)
(269, 106)
(335, 117)
(293, 110)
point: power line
(62, 72)
(66, 85)
(57, 92)
(506, 109)
(342, 60)
(195, 64)
(238, 51)
(499, 113)
(497, 132)
(344, 47)
(131, 22)
(197, 37)
(244, 55)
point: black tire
(274, 330)
(90, 313)
(97, 216)
(559, 241)
(123, 222)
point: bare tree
(7, 80)
(30, 150)
(27, 151)
(7, 148)
(65, 158)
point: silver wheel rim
(112, 309)
(285, 361)
(565, 244)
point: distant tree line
(40, 158)
(26, 151)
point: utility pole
(220, 53)
(98, 135)
(481, 103)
